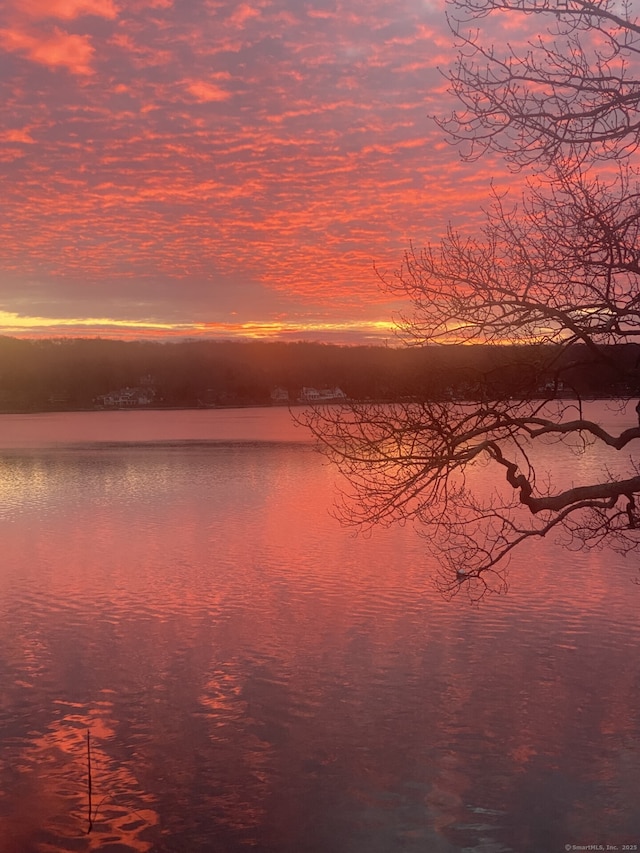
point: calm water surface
(255, 678)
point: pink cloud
(204, 92)
(56, 50)
(142, 56)
(222, 143)
(66, 9)
(153, 4)
(17, 135)
(243, 13)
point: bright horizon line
(386, 333)
(347, 332)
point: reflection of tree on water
(49, 803)
(473, 480)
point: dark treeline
(76, 373)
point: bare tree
(570, 86)
(558, 273)
(552, 279)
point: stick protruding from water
(90, 816)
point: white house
(325, 395)
(309, 395)
(127, 398)
(279, 395)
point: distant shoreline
(293, 404)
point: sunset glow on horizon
(104, 327)
(223, 170)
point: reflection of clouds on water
(245, 779)
(49, 803)
(252, 673)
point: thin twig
(90, 827)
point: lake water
(254, 677)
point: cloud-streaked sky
(208, 167)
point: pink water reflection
(38, 430)
(256, 677)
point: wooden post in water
(90, 827)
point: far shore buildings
(324, 395)
(144, 394)
(126, 398)
(280, 396)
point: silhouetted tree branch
(565, 82)
(557, 270)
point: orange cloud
(57, 50)
(67, 9)
(242, 14)
(17, 135)
(217, 146)
(204, 92)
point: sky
(204, 168)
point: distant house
(552, 386)
(332, 394)
(279, 396)
(324, 395)
(309, 395)
(126, 398)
